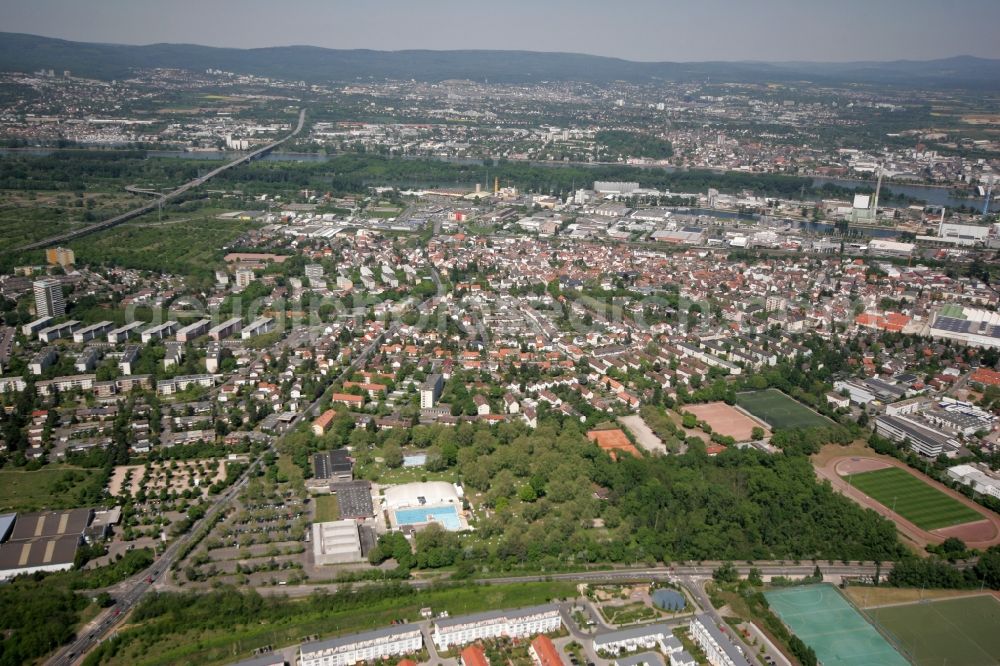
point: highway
(164, 199)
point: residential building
(718, 649)
(322, 422)
(473, 655)
(258, 326)
(544, 653)
(226, 329)
(158, 331)
(60, 256)
(49, 300)
(518, 623)
(193, 330)
(430, 391)
(88, 333)
(632, 639)
(244, 276)
(394, 641)
(123, 333)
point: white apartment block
(629, 640)
(719, 650)
(370, 646)
(519, 623)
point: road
(128, 593)
(164, 199)
(635, 574)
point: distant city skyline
(645, 30)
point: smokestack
(878, 189)
(496, 185)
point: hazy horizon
(638, 30)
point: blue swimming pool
(447, 515)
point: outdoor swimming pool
(446, 515)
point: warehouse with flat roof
(42, 541)
(336, 542)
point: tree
(393, 455)
(757, 433)
(726, 573)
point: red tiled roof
(474, 656)
(545, 651)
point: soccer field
(780, 411)
(952, 631)
(924, 506)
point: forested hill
(20, 52)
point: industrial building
(384, 643)
(970, 326)
(333, 465)
(978, 476)
(336, 542)
(519, 623)
(354, 499)
(43, 541)
(922, 439)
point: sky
(651, 30)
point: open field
(952, 631)
(780, 411)
(866, 596)
(643, 434)
(221, 643)
(49, 488)
(726, 420)
(184, 247)
(911, 498)
(327, 508)
(839, 634)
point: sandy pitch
(727, 420)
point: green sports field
(924, 506)
(951, 631)
(840, 635)
(780, 411)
